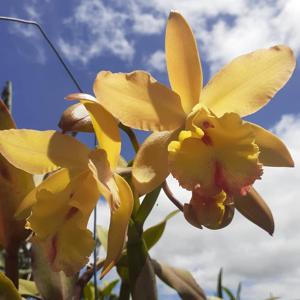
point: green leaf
(180, 280)
(146, 206)
(238, 292)
(88, 292)
(7, 289)
(51, 285)
(28, 287)
(219, 285)
(152, 235)
(107, 290)
(141, 274)
(102, 234)
(229, 293)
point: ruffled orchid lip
(219, 154)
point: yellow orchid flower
(14, 185)
(202, 140)
(61, 205)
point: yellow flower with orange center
(199, 136)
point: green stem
(131, 135)
(171, 197)
(141, 274)
(85, 278)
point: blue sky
(96, 35)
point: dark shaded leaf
(180, 280)
(238, 292)
(6, 120)
(15, 184)
(145, 285)
(141, 274)
(219, 284)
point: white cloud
(96, 29)
(226, 29)
(33, 11)
(264, 264)
(156, 61)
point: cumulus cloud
(96, 29)
(102, 29)
(226, 29)
(156, 61)
(33, 10)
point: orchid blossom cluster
(198, 136)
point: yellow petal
(254, 208)
(183, 63)
(6, 120)
(220, 154)
(139, 101)
(39, 152)
(54, 184)
(105, 126)
(103, 175)
(150, 167)
(76, 118)
(14, 185)
(59, 220)
(210, 211)
(69, 249)
(273, 151)
(8, 290)
(249, 81)
(118, 225)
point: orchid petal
(183, 63)
(54, 184)
(253, 207)
(118, 225)
(76, 118)
(139, 101)
(212, 212)
(219, 154)
(59, 220)
(39, 152)
(105, 126)
(150, 167)
(249, 81)
(14, 185)
(273, 151)
(105, 180)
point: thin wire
(95, 238)
(17, 20)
